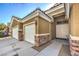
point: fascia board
(37, 13)
(30, 17)
(53, 9)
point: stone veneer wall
(20, 32)
(74, 46)
(41, 39)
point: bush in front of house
(1, 34)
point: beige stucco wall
(43, 26)
(53, 30)
(60, 18)
(20, 32)
(46, 27)
(74, 20)
(29, 20)
(14, 23)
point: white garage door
(62, 30)
(15, 32)
(30, 33)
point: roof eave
(37, 13)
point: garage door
(62, 30)
(30, 33)
(15, 32)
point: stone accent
(41, 39)
(20, 36)
(74, 46)
(20, 32)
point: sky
(7, 10)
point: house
(39, 26)
(16, 28)
(33, 28)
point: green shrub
(1, 34)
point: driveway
(11, 46)
(6, 42)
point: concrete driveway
(11, 46)
(6, 42)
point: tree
(2, 26)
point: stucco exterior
(41, 27)
(45, 27)
(74, 20)
(20, 26)
(74, 29)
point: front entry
(62, 29)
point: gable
(36, 13)
(14, 21)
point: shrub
(1, 34)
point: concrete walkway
(54, 48)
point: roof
(17, 18)
(37, 10)
(57, 4)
